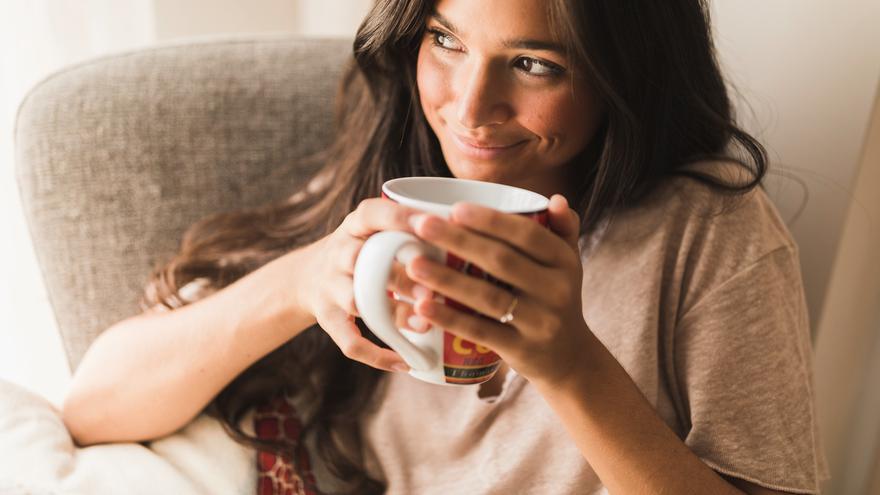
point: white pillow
(37, 456)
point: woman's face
(497, 90)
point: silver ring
(508, 316)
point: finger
(477, 329)
(398, 281)
(402, 285)
(520, 231)
(491, 255)
(564, 221)
(377, 214)
(347, 336)
(405, 317)
(475, 293)
(342, 294)
(348, 254)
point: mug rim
(400, 197)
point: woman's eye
(535, 67)
(441, 39)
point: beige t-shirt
(700, 298)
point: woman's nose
(482, 98)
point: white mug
(435, 356)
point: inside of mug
(441, 191)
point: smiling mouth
(483, 145)
(484, 150)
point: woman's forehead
(508, 21)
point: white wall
(810, 71)
(809, 68)
(38, 37)
(188, 18)
(330, 17)
(177, 19)
(848, 350)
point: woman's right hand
(327, 292)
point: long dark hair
(653, 67)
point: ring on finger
(507, 317)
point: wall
(848, 349)
(874, 486)
(808, 69)
(330, 17)
(38, 37)
(808, 72)
(191, 18)
(176, 19)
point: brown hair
(655, 72)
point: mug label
(465, 362)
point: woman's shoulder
(697, 228)
(690, 212)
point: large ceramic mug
(435, 356)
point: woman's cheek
(565, 123)
(433, 82)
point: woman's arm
(625, 441)
(150, 374)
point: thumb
(564, 221)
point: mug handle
(371, 272)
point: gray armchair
(115, 157)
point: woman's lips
(483, 150)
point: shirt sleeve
(743, 362)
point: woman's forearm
(149, 375)
(628, 445)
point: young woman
(659, 340)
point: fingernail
(428, 227)
(400, 367)
(421, 292)
(416, 322)
(415, 220)
(462, 211)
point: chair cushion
(115, 157)
(39, 456)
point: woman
(659, 341)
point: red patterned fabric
(275, 473)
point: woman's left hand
(547, 336)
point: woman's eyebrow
(526, 44)
(444, 22)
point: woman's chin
(486, 171)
